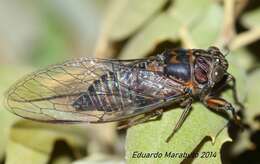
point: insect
(103, 90)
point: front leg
(234, 90)
(233, 87)
(221, 105)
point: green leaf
(253, 103)
(251, 112)
(62, 159)
(131, 15)
(99, 159)
(151, 136)
(189, 12)
(252, 19)
(36, 141)
(243, 58)
(163, 27)
(8, 76)
(25, 154)
(166, 26)
(6, 120)
(238, 70)
(207, 31)
(209, 150)
(54, 45)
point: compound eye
(218, 74)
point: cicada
(104, 90)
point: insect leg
(157, 114)
(221, 105)
(235, 96)
(181, 119)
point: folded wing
(91, 90)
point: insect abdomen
(124, 89)
(100, 96)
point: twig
(245, 38)
(228, 30)
(240, 6)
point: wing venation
(90, 90)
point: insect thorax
(195, 68)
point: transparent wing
(90, 90)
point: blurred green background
(34, 34)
